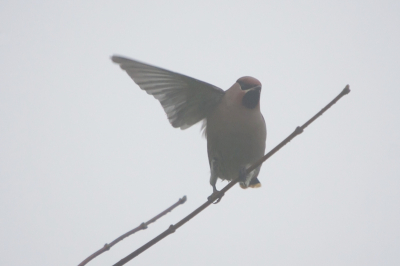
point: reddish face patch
(247, 83)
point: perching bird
(233, 124)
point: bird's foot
(216, 196)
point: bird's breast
(235, 137)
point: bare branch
(142, 226)
(172, 228)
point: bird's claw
(216, 195)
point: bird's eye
(244, 85)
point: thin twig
(142, 226)
(172, 228)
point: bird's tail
(254, 183)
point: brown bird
(234, 126)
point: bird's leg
(213, 180)
(215, 196)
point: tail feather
(254, 183)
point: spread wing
(185, 100)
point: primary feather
(185, 100)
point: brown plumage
(234, 126)
(236, 135)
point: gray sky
(85, 155)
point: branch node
(171, 229)
(298, 130)
(183, 199)
(143, 226)
(346, 90)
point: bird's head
(251, 89)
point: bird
(233, 124)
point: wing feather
(185, 100)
